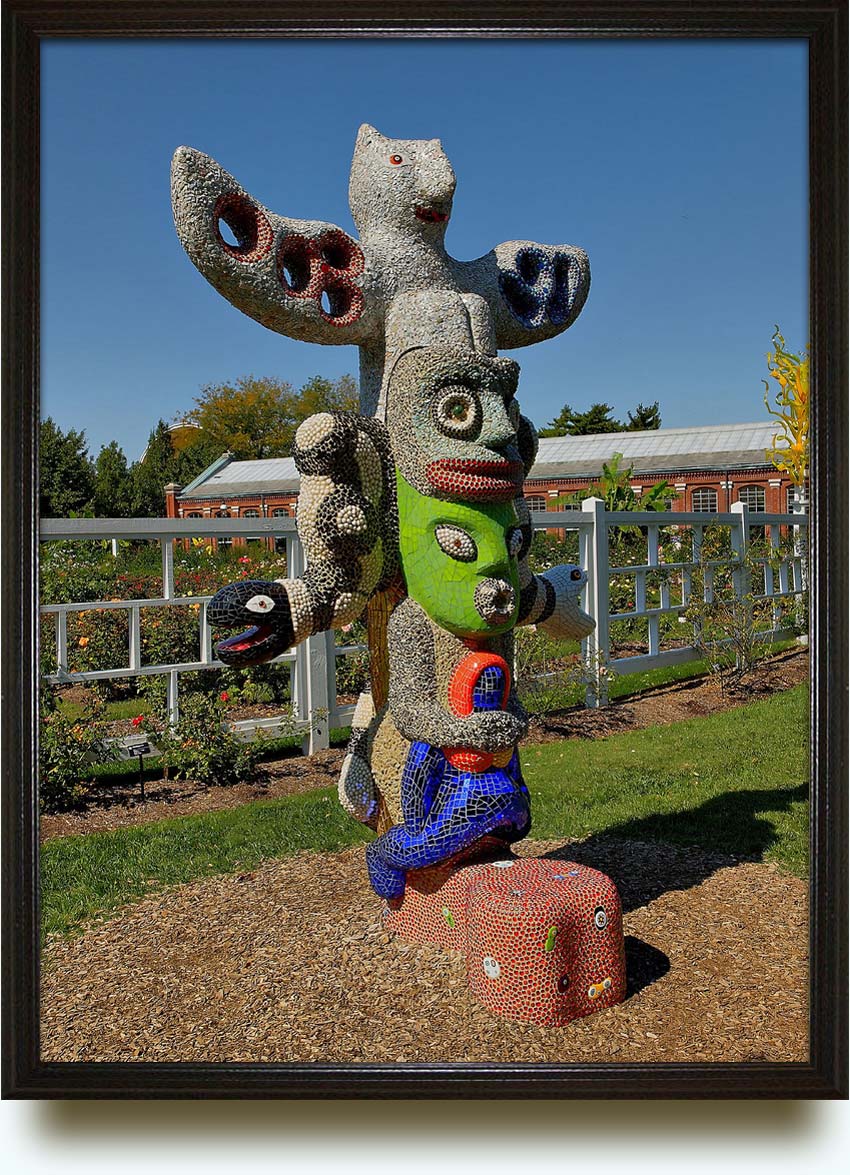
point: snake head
(261, 610)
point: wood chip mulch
(120, 806)
(289, 963)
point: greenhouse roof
(658, 451)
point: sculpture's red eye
(396, 159)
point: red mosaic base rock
(543, 939)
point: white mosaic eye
(491, 968)
(600, 918)
(457, 412)
(456, 543)
(260, 604)
(514, 539)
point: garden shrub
(201, 748)
(550, 673)
(67, 749)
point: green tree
(113, 487)
(152, 473)
(644, 417)
(194, 459)
(571, 423)
(257, 417)
(325, 395)
(598, 419)
(66, 473)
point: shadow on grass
(650, 856)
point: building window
(250, 513)
(194, 514)
(536, 502)
(753, 497)
(794, 495)
(280, 512)
(704, 500)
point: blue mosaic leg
(467, 807)
(423, 774)
(386, 881)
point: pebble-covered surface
(289, 963)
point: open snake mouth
(479, 480)
(258, 614)
(431, 215)
(243, 642)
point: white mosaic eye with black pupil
(600, 918)
(514, 542)
(260, 604)
(456, 543)
(458, 412)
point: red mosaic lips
(496, 480)
(431, 215)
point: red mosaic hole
(251, 231)
(341, 303)
(294, 265)
(339, 252)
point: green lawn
(82, 876)
(732, 782)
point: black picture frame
(824, 25)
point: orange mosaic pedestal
(543, 939)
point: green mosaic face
(459, 561)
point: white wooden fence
(313, 663)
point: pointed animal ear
(367, 133)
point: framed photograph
(197, 944)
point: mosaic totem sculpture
(421, 524)
(395, 286)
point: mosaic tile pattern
(422, 524)
(543, 940)
(348, 525)
(392, 288)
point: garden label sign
(412, 515)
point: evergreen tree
(598, 419)
(194, 459)
(66, 473)
(152, 473)
(644, 417)
(113, 487)
(569, 422)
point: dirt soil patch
(662, 705)
(290, 963)
(120, 805)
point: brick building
(709, 468)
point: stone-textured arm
(534, 291)
(413, 701)
(302, 278)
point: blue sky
(679, 166)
